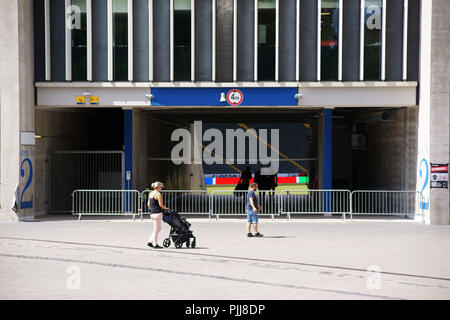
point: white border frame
(255, 42)
(405, 40)
(361, 40)
(171, 42)
(110, 40)
(319, 39)
(235, 26)
(150, 40)
(48, 66)
(89, 38)
(340, 37)
(277, 40)
(297, 42)
(192, 40)
(68, 40)
(213, 49)
(383, 41)
(130, 41)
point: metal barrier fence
(385, 203)
(183, 201)
(316, 202)
(105, 202)
(228, 203)
(232, 203)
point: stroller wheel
(166, 243)
(178, 244)
(193, 244)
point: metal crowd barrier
(232, 203)
(229, 203)
(105, 202)
(183, 201)
(385, 203)
(316, 202)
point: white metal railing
(229, 203)
(385, 203)
(233, 203)
(105, 202)
(316, 202)
(183, 201)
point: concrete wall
(16, 106)
(389, 161)
(440, 105)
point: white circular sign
(235, 97)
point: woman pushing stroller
(156, 206)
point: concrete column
(128, 143)
(320, 148)
(16, 109)
(434, 104)
(328, 149)
(140, 151)
(439, 105)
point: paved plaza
(107, 258)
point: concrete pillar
(140, 151)
(320, 148)
(440, 104)
(434, 104)
(328, 149)
(128, 148)
(16, 109)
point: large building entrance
(317, 148)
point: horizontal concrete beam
(110, 97)
(358, 96)
(209, 84)
(127, 94)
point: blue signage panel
(213, 96)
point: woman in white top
(156, 206)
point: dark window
(79, 42)
(182, 40)
(120, 39)
(266, 39)
(329, 35)
(372, 39)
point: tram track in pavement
(237, 258)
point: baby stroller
(179, 231)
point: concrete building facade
(96, 80)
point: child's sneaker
(259, 235)
(250, 235)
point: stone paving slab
(300, 259)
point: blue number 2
(423, 204)
(26, 204)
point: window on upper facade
(182, 40)
(372, 39)
(266, 40)
(329, 40)
(120, 39)
(79, 42)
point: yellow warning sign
(81, 100)
(94, 100)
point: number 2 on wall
(424, 205)
(26, 204)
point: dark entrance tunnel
(360, 156)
